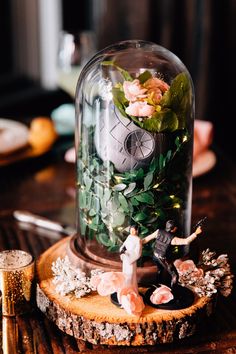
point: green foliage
(165, 120)
(177, 98)
(144, 76)
(108, 201)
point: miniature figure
(131, 251)
(162, 249)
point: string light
(176, 205)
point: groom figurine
(162, 256)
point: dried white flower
(71, 280)
(216, 276)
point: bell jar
(134, 139)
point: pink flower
(107, 283)
(140, 109)
(133, 90)
(131, 301)
(188, 266)
(161, 295)
(156, 87)
(155, 84)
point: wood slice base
(95, 319)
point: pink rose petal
(140, 109)
(161, 295)
(133, 90)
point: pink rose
(184, 266)
(140, 109)
(133, 90)
(156, 95)
(161, 295)
(154, 84)
(107, 283)
(131, 301)
(188, 266)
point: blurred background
(32, 36)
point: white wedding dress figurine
(131, 251)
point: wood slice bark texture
(95, 319)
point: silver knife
(39, 221)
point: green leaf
(119, 100)
(178, 97)
(92, 212)
(80, 164)
(118, 219)
(103, 239)
(82, 199)
(144, 230)
(82, 223)
(95, 203)
(139, 216)
(148, 180)
(144, 76)
(177, 143)
(134, 201)
(95, 164)
(99, 190)
(168, 155)
(107, 194)
(88, 182)
(130, 188)
(164, 121)
(119, 187)
(145, 197)
(120, 96)
(154, 165)
(114, 248)
(123, 202)
(94, 224)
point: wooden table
(46, 186)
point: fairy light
(185, 138)
(118, 179)
(172, 196)
(176, 205)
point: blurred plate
(26, 153)
(204, 163)
(13, 136)
(14, 143)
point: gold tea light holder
(17, 270)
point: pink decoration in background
(203, 136)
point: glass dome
(134, 134)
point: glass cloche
(134, 139)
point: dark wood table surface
(46, 186)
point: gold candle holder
(16, 281)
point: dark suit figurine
(162, 249)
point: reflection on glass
(74, 52)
